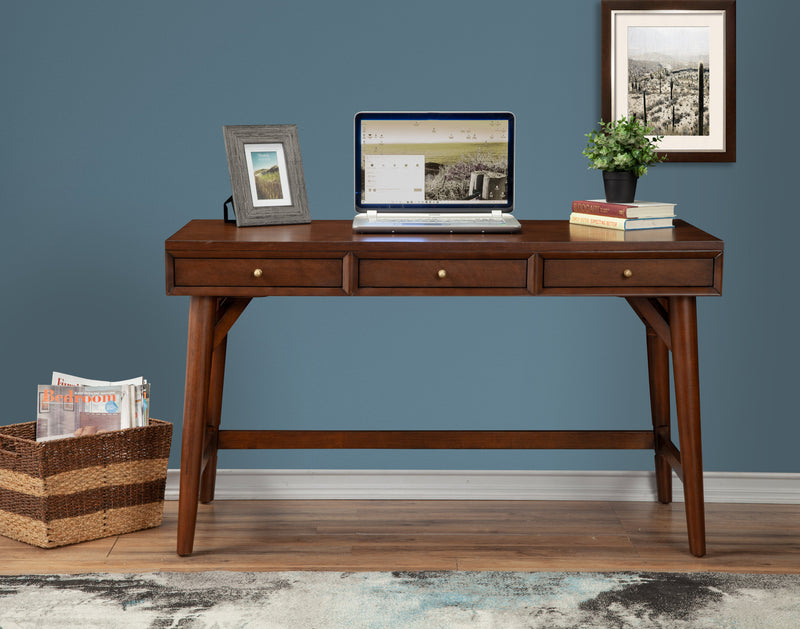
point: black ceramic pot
(620, 186)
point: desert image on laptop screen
(434, 161)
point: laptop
(434, 172)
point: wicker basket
(60, 492)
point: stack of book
(623, 216)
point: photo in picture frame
(672, 65)
(266, 173)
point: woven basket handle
(8, 448)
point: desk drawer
(442, 273)
(258, 272)
(596, 273)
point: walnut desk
(659, 272)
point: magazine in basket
(75, 407)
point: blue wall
(111, 139)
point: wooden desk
(659, 272)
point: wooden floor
(345, 535)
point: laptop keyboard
(436, 220)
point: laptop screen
(434, 161)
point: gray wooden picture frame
(246, 208)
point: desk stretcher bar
(437, 439)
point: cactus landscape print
(672, 65)
(668, 79)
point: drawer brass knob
(258, 273)
(442, 274)
(627, 273)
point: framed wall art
(672, 64)
(266, 175)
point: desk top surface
(537, 235)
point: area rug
(429, 600)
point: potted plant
(622, 149)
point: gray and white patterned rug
(424, 600)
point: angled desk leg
(683, 323)
(202, 312)
(658, 370)
(208, 478)
(653, 313)
(228, 311)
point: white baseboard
(487, 485)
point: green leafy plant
(623, 145)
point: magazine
(75, 407)
(76, 411)
(141, 392)
(67, 380)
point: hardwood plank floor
(363, 535)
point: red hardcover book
(637, 209)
